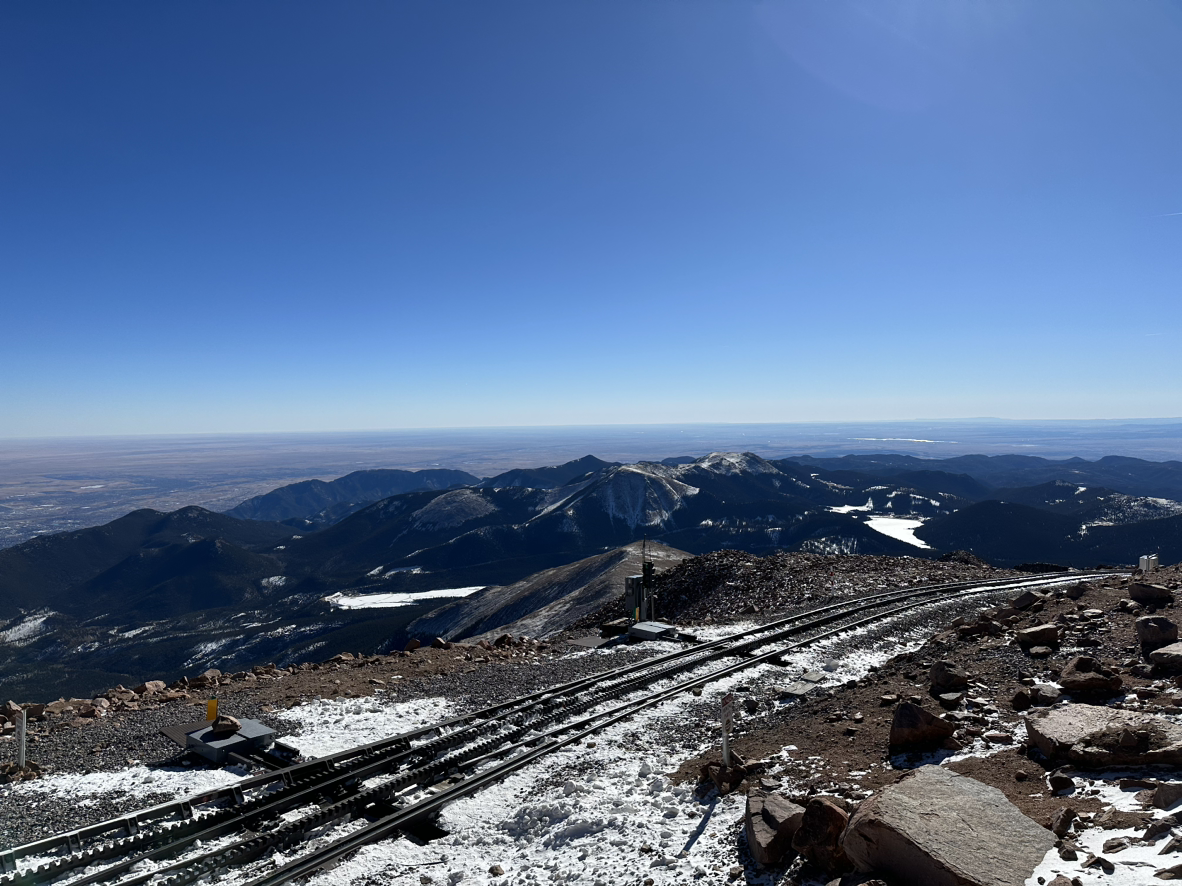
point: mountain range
(155, 594)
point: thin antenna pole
(22, 727)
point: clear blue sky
(250, 216)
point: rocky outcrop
(1086, 675)
(914, 728)
(770, 824)
(1098, 736)
(939, 828)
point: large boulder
(947, 677)
(1086, 675)
(1155, 631)
(819, 836)
(913, 728)
(940, 828)
(1168, 657)
(770, 823)
(1091, 735)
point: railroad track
(400, 781)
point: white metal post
(728, 712)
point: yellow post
(211, 709)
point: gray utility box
(251, 736)
(652, 630)
(635, 598)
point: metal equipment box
(652, 630)
(251, 736)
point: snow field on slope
(390, 601)
(898, 528)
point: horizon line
(606, 425)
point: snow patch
(25, 630)
(845, 509)
(389, 601)
(898, 528)
(327, 726)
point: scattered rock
(1099, 861)
(497, 871)
(1062, 820)
(1021, 700)
(913, 727)
(725, 778)
(411, 645)
(947, 677)
(1039, 635)
(1059, 782)
(1115, 845)
(819, 834)
(771, 821)
(1166, 795)
(939, 828)
(1027, 599)
(1086, 675)
(1045, 696)
(224, 726)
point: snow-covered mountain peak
(728, 463)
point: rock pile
(725, 584)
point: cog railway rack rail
(400, 782)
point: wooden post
(211, 709)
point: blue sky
(258, 216)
